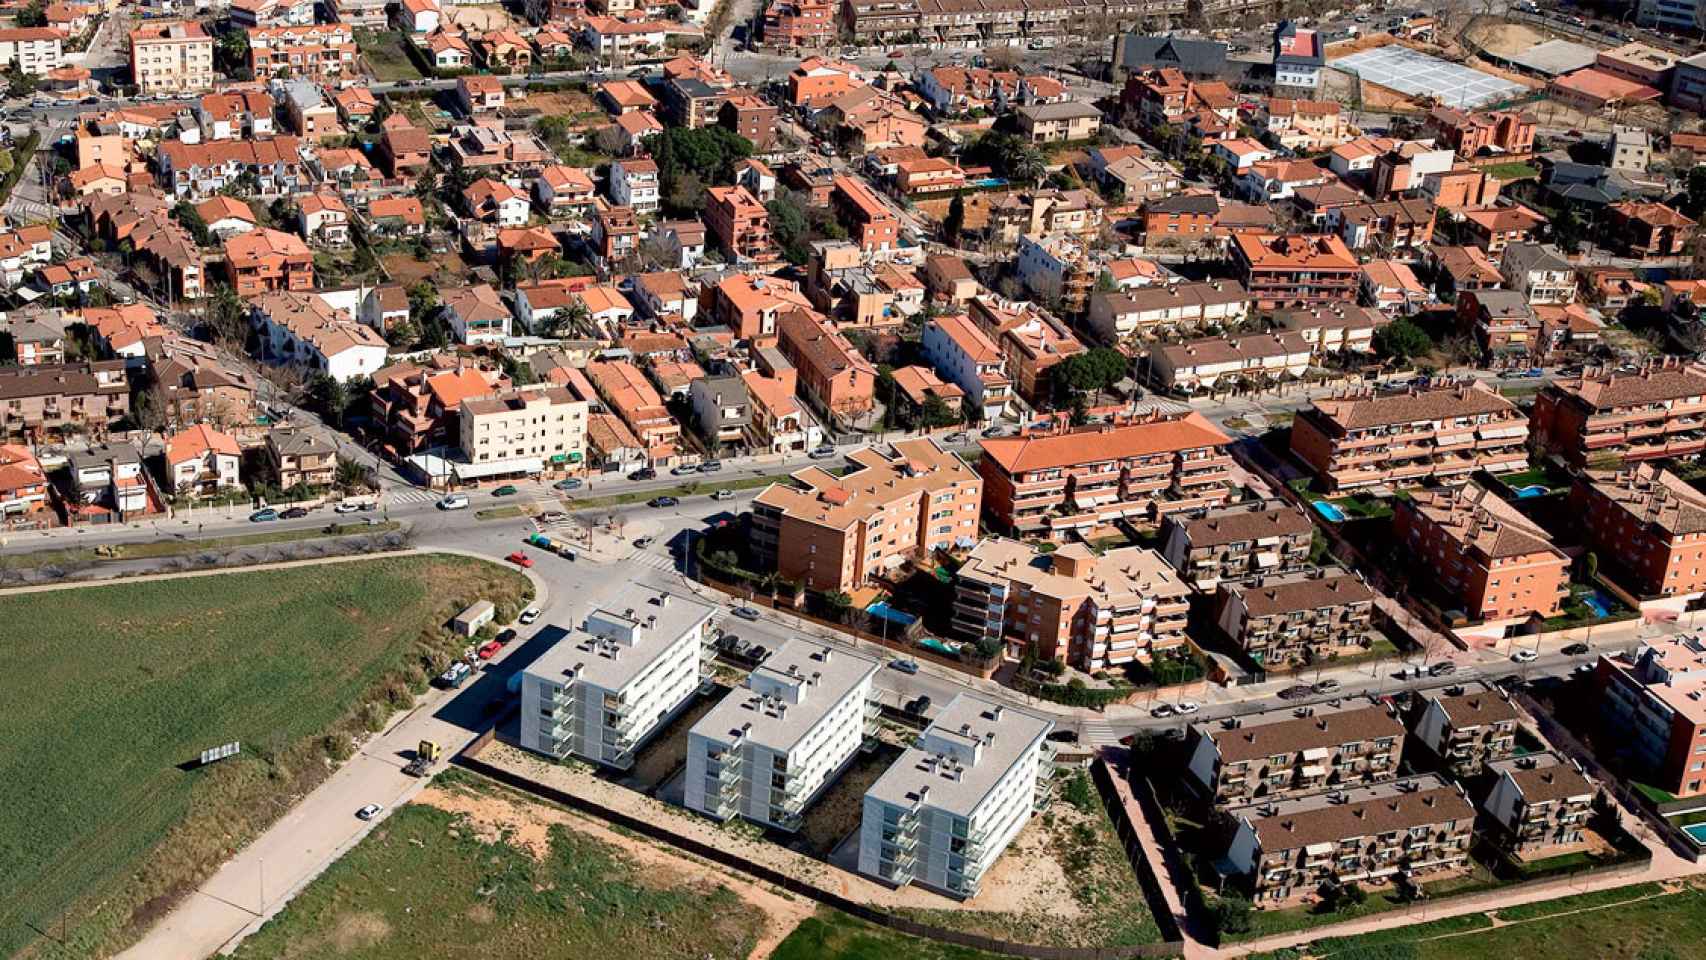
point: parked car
(488, 650)
(507, 490)
(1525, 656)
(571, 483)
(822, 453)
(711, 466)
(663, 502)
(723, 495)
(684, 470)
(758, 653)
(644, 542)
(1163, 711)
(646, 473)
(520, 559)
(1296, 692)
(454, 675)
(528, 616)
(455, 501)
(266, 515)
(745, 613)
(368, 812)
(1187, 707)
(1575, 649)
(905, 666)
(294, 513)
(1444, 669)
(553, 516)
(919, 706)
(344, 506)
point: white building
(520, 431)
(1203, 363)
(33, 50)
(1540, 273)
(948, 808)
(304, 330)
(766, 751)
(1044, 264)
(634, 183)
(961, 354)
(611, 682)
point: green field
(386, 56)
(112, 687)
(836, 936)
(425, 884)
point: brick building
(1487, 559)
(1301, 617)
(1647, 523)
(1363, 440)
(1602, 417)
(1295, 270)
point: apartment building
(833, 375)
(171, 57)
(1648, 523)
(58, 400)
(1542, 803)
(722, 408)
(1052, 484)
(1540, 273)
(739, 223)
(1474, 135)
(1093, 612)
(769, 748)
(866, 217)
(964, 356)
(1468, 728)
(1206, 362)
(297, 458)
(949, 806)
(1652, 706)
(418, 406)
(1489, 560)
(522, 431)
(1603, 417)
(799, 24)
(265, 260)
(194, 170)
(320, 52)
(1300, 617)
(1032, 341)
(1237, 540)
(617, 677)
(1295, 270)
(1165, 310)
(1400, 831)
(1283, 752)
(895, 504)
(35, 51)
(304, 330)
(1367, 439)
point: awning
(496, 468)
(1267, 559)
(1316, 753)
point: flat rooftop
(961, 756)
(622, 635)
(788, 695)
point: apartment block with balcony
(59, 400)
(1647, 522)
(897, 503)
(522, 432)
(948, 808)
(1542, 803)
(1404, 439)
(1281, 753)
(1051, 484)
(616, 678)
(1486, 559)
(1093, 612)
(171, 57)
(1401, 831)
(1652, 706)
(740, 224)
(769, 748)
(1295, 270)
(1601, 417)
(1468, 728)
(1301, 617)
(1236, 541)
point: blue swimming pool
(882, 609)
(1532, 490)
(1598, 602)
(986, 182)
(1329, 511)
(1696, 832)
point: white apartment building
(33, 50)
(611, 682)
(522, 430)
(766, 751)
(175, 57)
(948, 808)
(1540, 273)
(634, 183)
(964, 356)
(1044, 264)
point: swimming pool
(1532, 490)
(882, 609)
(1696, 832)
(986, 182)
(1329, 511)
(1598, 602)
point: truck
(426, 754)
(556, 545)
(454, 675)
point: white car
(723, 495)
(368, 812)
(455, 501)
(1525, 656)
(1187, 707)
(347, 507)
(528, 616)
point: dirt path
(529, 826)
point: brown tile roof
(1361, 412)
(1654, 496)
(1385, 812)
(1477, 707)
(1107, 442)
(1238, 525)
(1304, 594)
(1480, 520)
(1654, 385)
(1272, 734)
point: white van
(454, 501)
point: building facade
(1301, 617)
(1366, 439)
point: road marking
(412, 496)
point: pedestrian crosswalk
(1099, 733)
(654, 561)
(412, 496)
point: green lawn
(428, 884)
(114, 687)
(1266, 923)
(836, 936)
(1511, 171)
(386, 57)
(1363, 506)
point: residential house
(202, 460)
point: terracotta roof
(1110, 442)
(1360, 412)
(1654, 497)
(1240, 524)
(1653, 385)
(1480, 520)
(196, 442)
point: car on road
(745, 613)
(645, 473)
(345, 506)
(1187, 707)
(263, 516)
(822, 453)
(520, 559)
(644, 542)
(528, 616)
(1324, 686)
(1445, 669)
(488, 650)
(1163, 711)
(919, 706)
(553, 516)
(684, 470)
(758, 653)
(454, 501)
(905, 666)
(663, 502)
(507, 490)
(723, 495)
(571, 483)
(1575, 650)
(294, 513)
(1525, 656)
(1297, 692)
(711, 466)
(368, 812)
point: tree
(789, 226)
(556, 130)
(1694, 194)
(227, 316)
(19, 84)
(185, 213)
(686, 196)
(936, 413)
(1402, 340)
(1590, 566)
(328, 397)
(232, 52)
(34, 14)
(1105, 282)
(955, 221)
(6, 162)
(1229, 915)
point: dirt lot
(563, 103)
(1505, 39)
(444, 270)
(977, 209)
(478, 19)
(838, 810)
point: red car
(520, 559)
(489, 649)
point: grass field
(386, 57)
(427, 883)
(113, 687)
(836, 936)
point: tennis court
(1419, 75)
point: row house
(1152, 312)
(1298, 618)
(893, 505)
(1237, 541)
(1369, 439)
(23, 483)
(1388, 227)
(628, 394)
(796, 25)
(1072, 606)
(1482, 555)
(1468, 728)
(200, 169)
(57, 400)
(1282, 753)
(1649, 523)
(1052, 484)
(323, 52)
(1601, 416)
(1473, 134)
(237, 115)
(22, 250)
(303, 330)
(1303, 126)
(1206, 362)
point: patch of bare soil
(359, 931)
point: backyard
(386, 56)
(108, 817)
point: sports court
(1419, 75)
